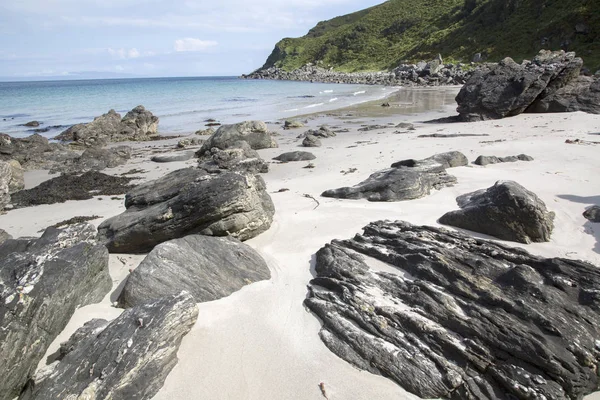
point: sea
(182, 104)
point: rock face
(486, 160)
(506, 210)
(95, 159)
(128, 358)
(548, 83)
(4, 236)
(238, 157)
(457, 317)
(255, 133)
(34, 152)
(592, 214)
(17, 180)
(406, 180)
(138, 124)
(207, 267)
(295, 156)
(43, 281)
(189, 201)
(5, 178)
(311, 141)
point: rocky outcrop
(43, 281)
(311, 141)
(239, 157)
(507, 88)
(5, 178)
(255, 133)
(17, 179)
(486, 160)
(295, 156)
(506, 210)
(34, 152)
(189, 201)
(207, 267)
(95, 159)
(446, 315)
(323, 132)
(128, 358)
(592, 214)
(190, 141)
(138, 124)
(292, 124)
(4, 236)
(406, 180)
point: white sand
(261, 342)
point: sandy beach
(261, 342)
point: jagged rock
(291, 124)
(295, 156)
(17, 179)
(238, 157)
(506, 210)
(205, 132)
(449, 159)
(446, 315)
(32, 124)
(323, 132)
(5, 178)
(43, 281)
(255, 133)
(186, 202)
(34, 152)
(579, 94)
(128, 358)
(167, 158)
(207, 267)
(406, 180)
(138, 124)
(72, 187)
(507, 88)
(486, 160)
(592, 214)
(311, 141)
(95, 159)
(190, 141)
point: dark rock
(290, 124)
(207, 267)
(386, 104)
(128, 358)
(449, 159)
(139, 124)
(4, 236)
(167, 158)
(579, 94)
(186, 202)
(506, 210)
(72, 187)
(34, 152)
(32, 124)
(311, 141)
(43, 281)
(295, 156)
(485, 160)
(323, 132)
(457, 317)
(238, 157)
(95, 159)
(255, 133)
(452, 135)
(592, 214)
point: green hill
(383, 36)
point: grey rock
(592, 214)
(291, 124)
(449, 159)
(457, 317)
(17, 180)
(43, 281)
(95, 159)
(368, 128)
(5, 178)
(4, 236)
(255, 133)
(205, 132)
(187, 202)
(238, 157)
(167, 158)
(128, 358)
(506, 210)
(209, 268)
(34, 152)
(190, 141)
(139, 124)
(295, 156)
(579, 94)
(32, 124)
(323, 132)
(406, 126)
(486, 160)
(311, 141)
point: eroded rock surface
(506, 210)
(457, 317)
(5, 178)
(311, 141)
(95, 159)
(255, 133)
(43, 281)
(4, 236)
(238, 157)
(128, 358)
(34, 152)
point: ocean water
(182, 104)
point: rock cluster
(34, 152)
(94, 159)
(486, 160)
(238, 157)
(457, 317)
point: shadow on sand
(590, 228)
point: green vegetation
(397, 31)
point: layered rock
(311, 141)
(34, 152)
(189, 201)
(239, 157)
(255, 133)
(95, 159)
(506, 210)
(207, 267)
(128, 358)
(457, 317)
(43, 281)
(486, 160)
(295, 156)
(579, 94)
(406, 180)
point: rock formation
(311, 141)
(95, 159)
(5, 178)
(173, 157)
(486, 160)
(295, 156)
(506, 210)
(34, 152)
(239, 156)
(255, 133)
(4, 236)
(457, 317)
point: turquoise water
(182, 104)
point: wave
(360, 92)
(314, 105)
(327, 91)
(291, 110)
(332, 100)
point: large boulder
(43, 281)
(207, 267)
(239, 157)
(139, 124)
(592, 214)
(295, 156)
(5, 178)
(311, 141)
(507, 88)
(186, 202)
(95, 159)
(579, 94)
(486, 160)
(446, 315)
(450, 159)
(128, 358)
(255, 133)
(506, 210)
(34, 152)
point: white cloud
(123, 53)
(191, 44)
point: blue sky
(49, 38)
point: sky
(154, 38)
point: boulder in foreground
(457, 317)
(506, 210)
(206, 267)
(128, 358)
